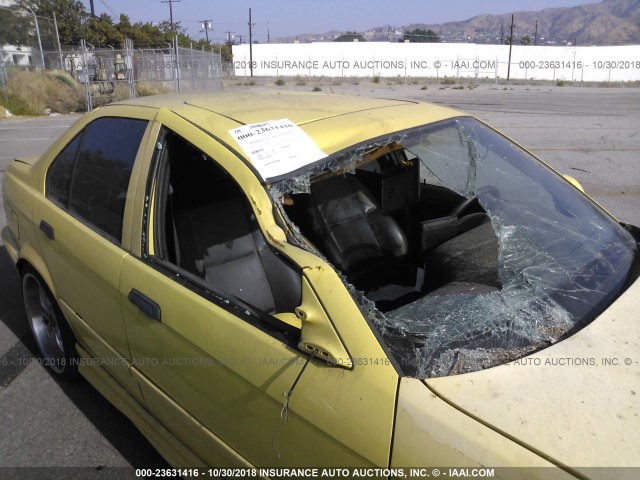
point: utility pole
(250, 44)
(93, 10)
(502, 34)
(170, 2)
(510, 47)
(268, 34)
(535, 35)
(229, 32)
(206, 25)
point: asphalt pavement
(592, 134)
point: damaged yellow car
(281, 279)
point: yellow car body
(206, 386)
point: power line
(115, 15)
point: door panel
(233, 378)
(85, 268)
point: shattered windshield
(463, 250)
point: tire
(49, 327)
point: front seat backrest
(349, 224)
(221, 243)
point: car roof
(334, 122)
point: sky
(285, 18)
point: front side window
(90, 177)
(204, 226)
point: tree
(70, 14)
(420, 35)
(75, 24)
(350, 37)
(148, 35)
(16, 28)
(124, 26)
(225, 50)
(101, 32)
(526, 40)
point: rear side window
(93, 182)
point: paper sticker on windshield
(277, 147)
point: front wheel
(49, 327)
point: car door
(83, 220)
(214, 336)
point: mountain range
(610, 22)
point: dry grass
(145, 89)
(39, 93)
(36, 93)
(120, 91)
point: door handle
(147, 306)
(47, 230)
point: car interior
(396, 236)
(210, 231)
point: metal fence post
(177, 63)
(39, 40)
(3, 74)
(128, 45)
(55, 24)
(203, 64)
(191, 67)
(87, 86)
(220, 66)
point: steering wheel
(464, 205)
(490, 196)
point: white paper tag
(277, 147)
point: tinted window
(102, 172)
(59, 177)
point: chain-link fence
(105, 74)
(198, 70)
(128, 72)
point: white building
(16, 56)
